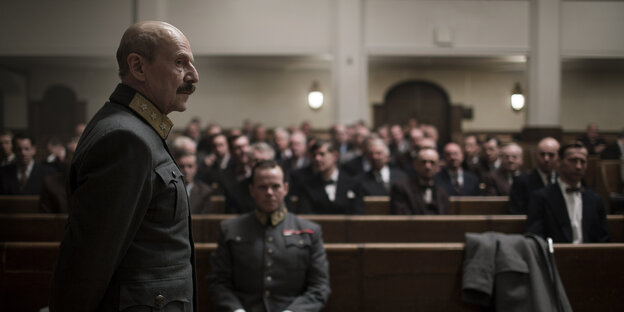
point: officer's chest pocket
(170, 202)
(242, 250)
(298, 247)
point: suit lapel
(559, 210)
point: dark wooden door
(425, 101)
(56, 115)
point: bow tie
(572, 189)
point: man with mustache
(127, 243)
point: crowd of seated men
(328, 175)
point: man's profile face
(6, 145)
(427, 164)
(171, 74)
(573, 165)
(268, 188)
(188, 166)
(24, 151)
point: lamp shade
(315, 97)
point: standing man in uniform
(269, 259)
(127, 243)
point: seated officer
(269, 259)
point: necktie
(456, 184)
(23, 179)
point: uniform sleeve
(317, 291)
(111, 189)
(220, 277)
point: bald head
(547, 156)
(155, 59)
(144, 39)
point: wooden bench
(609, 185)
(363, 277)
(479, 205)
(19, 204)
(377, 205)
(336, 229)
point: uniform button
(268, 265)
(159, 300)
(270, 238)
(270, 251)
(269, 278)
(267, 293)
(301, 242)
(238, 238)
(173, 174)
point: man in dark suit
(269, 259)
(545, 174)
(499, 181)
(490, 159)
(453, 178)
(127, 243)
(299, 149)
(234, 179)
(198, 192)
(566, 211)
(471, 150)
(329, 190)
(592, 140)
(378, 180)
(24, 176)
(420, 194)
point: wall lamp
(315, 96)
(517, 98)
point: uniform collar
(274, 218)
(125, 95)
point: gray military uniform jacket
(269, 268)
(127, 242)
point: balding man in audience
(498, 182)
(545, 174)
(453, 178)
(378, 180)
(211, 165)
(299, 148)
(340, 138)
(329, 190)
(420, 194)
(566, 211)
(232, 179)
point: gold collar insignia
(274, 217)
(159, 122)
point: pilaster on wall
(544, 100)
(350, 64)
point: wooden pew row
(364, 277)
(19, 204)
(374, 205)
(336, 229)
(458, 205)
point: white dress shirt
(574, 204)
